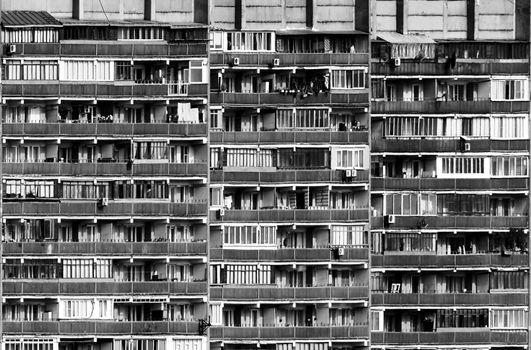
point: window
(145, 344)
(141, 33)
(87, 268)
(28, 344)
(302, 118)
(410, 242)
(377, 320)
(249, 235)
(249, 157)
(509, 280)
(29, 35)
(463, 318)
(124, 70)
(509, 127)
(86, 308)
(348, 79)
(248, 274)
(196, 72)
(349, 159)
(513, 89)
(411, 204)
(29, 189)
(216, 40)
(462, 166)
(249, 41)
(150, 150)
(30, 70)
(509, 166)
(508, 319)
(351, 236)
(216, 119)
(456, 92)
(436, 127)
(84, 190)
(463, 204)
(303, 158)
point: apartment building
(289, 165)
(104, 175)
(450, 174)
(280, 174)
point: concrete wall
(447, 19)
(173, 11)
(222, 13)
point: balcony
(263, 60)
(72, 327)
(457, 222)
(106, 169)
(451, 107)
(461, 68)
(417, 260)
(86, 208)
(423, 145)
(112, 49)
(288, 255)
(452, 336)
(55, 287)
(292, 215)
(293, 333)
(420, 184)
(291, 137)
(104, 129)
(285, 176)
(273, 100)
(294, 294)
(56, 89)
(455, 299)
(104, 248)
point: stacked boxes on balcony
(450, 175)
(105, 167)
(289, 164)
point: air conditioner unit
(236, 61)
(105, 201)
(467, 146)
(340, 251)
(348, 173)
(88, 110)
(12, 48)
(221, 213)
(276, 61)
(397, 62)
(354, 173)
(390, 219)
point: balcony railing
(104, 129)
(288, 59)
(104, 248)
(54, 287)
(112, 209)
(286, 176)
(105, 169)
(461, 68)
(112, 48)
(291, 215)
(418, 260)
(71, 327)
(276, 99)
(288, 255)
(292, 136)
(294, 333)
(463, 107)
(449, 299)
(421, 145)
(58, 89)
(295, 294)
(419, 184)
(457, 222)
(451, 336)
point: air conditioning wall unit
(340, 251)
(348, 173)
(221, 213)
(397, 61)
(12, 48)
(390, 219)
(467, 146)
(354, 173)
(276, 62)
(236, 61)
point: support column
(149, 9)
(77, 9)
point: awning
(14, 19)
(397, 38)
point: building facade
(280, 174)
